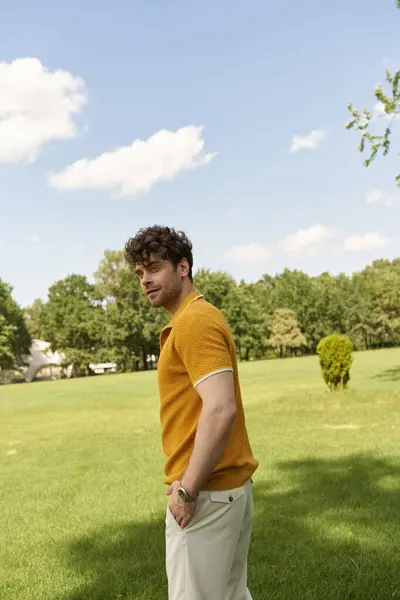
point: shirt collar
(195, 295)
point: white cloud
(36, 106)
(136, 168)
(34, 238)
(312, 241)
(379, 111)
(365, 242)
(309, 240)
(374, 196)
(308, 142)
(378, 196)
(250, 254)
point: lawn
(82, 498)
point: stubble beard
(167, 297)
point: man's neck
(187, 289)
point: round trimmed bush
(335, 357)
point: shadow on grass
(389, 374)
(333, 535)
(120, 562)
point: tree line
(280, 315)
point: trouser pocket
(227, 496)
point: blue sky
(241, 77)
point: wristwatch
(183, 494)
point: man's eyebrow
(146, 265)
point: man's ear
(183, 267)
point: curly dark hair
(164, 242)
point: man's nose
(146, 279)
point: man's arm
(213, 431)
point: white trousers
(207, 560)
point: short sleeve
(203, 347)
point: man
(209, 460)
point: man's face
(160, 281)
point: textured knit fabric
(197, 343)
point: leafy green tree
(335, 354)
(132, 326)
(33, 316)
(239, 304)
(331, 306)
(377, 301)
(113, 276)
(295, 291)
(263, 291)
(80, 360)
(389, 103)
(15, 340)
(216, 286)
(116, 283)
(286, 334)
(73, 321)
(112, 320)
(246, 319)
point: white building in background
(42, 360)
(41, 357)
(107, 367)
(42, 363)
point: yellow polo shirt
(194, 345)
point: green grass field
(82, 499)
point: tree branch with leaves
(361, 120)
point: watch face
(181, 494)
